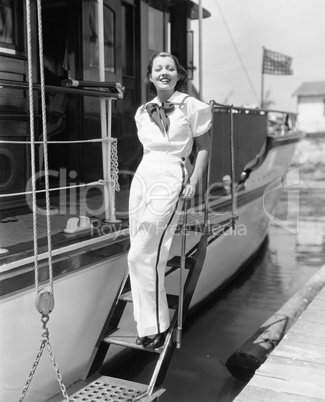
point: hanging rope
(44, 299)
(44, 127)
(32, 135)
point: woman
(167, 127)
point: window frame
(17, 45)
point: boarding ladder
(112, 389)
(105, 388)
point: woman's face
(164, 73)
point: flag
(276, 63)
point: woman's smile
(164, 74)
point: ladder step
(111, 389)
(123, 337)
(175, 262)
(171, 299)
(126, 297)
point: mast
(200, 50)
(105, 114)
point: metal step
(175, 262)
(110, 389)
(123, 337)
(171, 299)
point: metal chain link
(45, 342)
(31, 374)
(114, 173)
(58, 374)
(114, 165)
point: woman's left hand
(188, 192)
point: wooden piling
(243, 363)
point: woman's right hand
(188, 192)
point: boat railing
(280, 122)
(250, 109)
(70, 87)
(106, 91)
(254, 130)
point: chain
(58, 374)
(31, 374)
(114, 165)
(45, 342)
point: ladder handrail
(178, 333)
(192, 277)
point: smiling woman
(167, 127)
(164, 76)
(164, 68)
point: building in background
(311, 106)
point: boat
(65, 180)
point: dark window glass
(156, 29)
(128, 40)
(7, 28)
(109, 37)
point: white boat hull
(84, 298)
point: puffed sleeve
(200, 118)
(137, 118)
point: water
(293, 252)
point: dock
(295, 369)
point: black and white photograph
(162, 200)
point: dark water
(292, 253)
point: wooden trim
(21, 277)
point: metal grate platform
(109, 389)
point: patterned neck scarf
(158, 114)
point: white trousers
(154, 210)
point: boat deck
(295, 370)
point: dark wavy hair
(181, 83)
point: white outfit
(154, 204)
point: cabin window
(7, 31)
(156, 29)
(109, 37)
(10, 32)
(128, 40)
(190, 55)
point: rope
(32, 136)
(99, 182)
(44, 300)
(44, 127)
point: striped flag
(276, 63)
